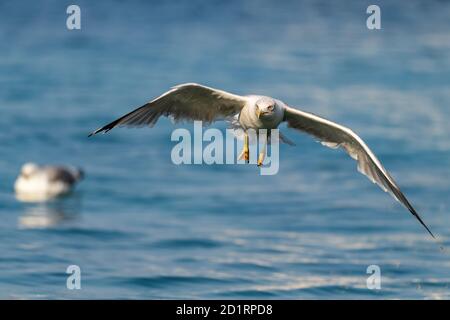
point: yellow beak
(258, 112)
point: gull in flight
(192, 101)
(40, 183)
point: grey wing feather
(334, 135)
(184, 102)
(55, 173)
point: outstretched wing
(184, 102)
(334, 135)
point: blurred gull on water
(41, 183)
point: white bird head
(28, 169)
(265, 107)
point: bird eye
(270, 108)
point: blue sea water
(139, 226)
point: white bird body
(248, 117)
(37, 183)
(197, 102)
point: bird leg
(262, 153)
(245, 154)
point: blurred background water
(142, 227)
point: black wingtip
(102, 129)
(92, 133)
(429, 231)
(401, 197)
(421, 221)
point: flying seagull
(193, 101)
(40, 183)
